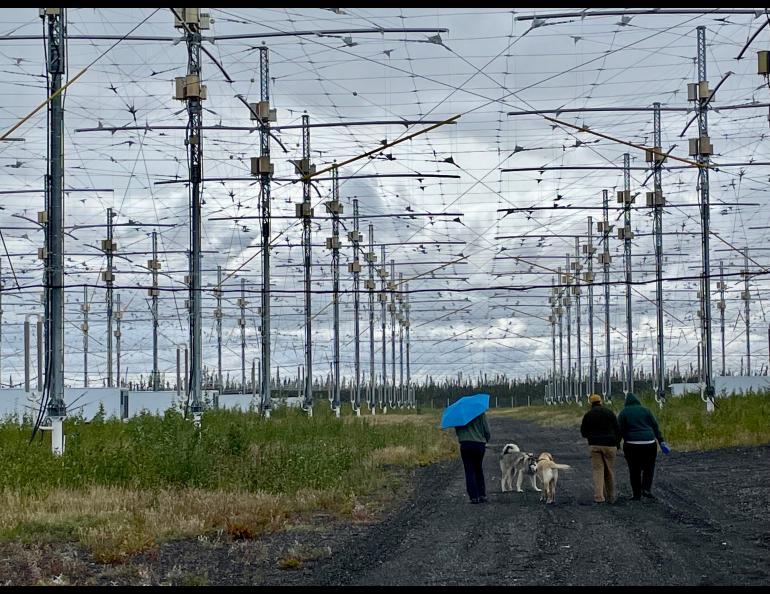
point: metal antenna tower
(109, 246)
(721, 307)
(218, 317)
(242, 323)
(335, 208)
(554, 299)
(576, 291)
(305, 212)
(371, 257)
(746, 296)
(392, 309)
(701, 148)
(355, 267)
(383, 300)
(154, 266)
(118, 317)
(604, 258)
(657, 201)
(190, 90)
(400, 317)
(54, 230)
(84, 307)
(626, 235)
(589, 249)
(559, 312)
(262, 167)
(410, 396)
(567, 300)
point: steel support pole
(118, 316)
(627, 234)
(407, 307)
(554, 299)
(721, 307)
(747, 312)
(606, 258)
(84, 308)
(306, 215)
(703, 180)
(590, 279)
(658, 202)
(567, 300)
(392, 307)
(242, 324)
(54, 264)
(336, 208)
(355, 266)
(400, 318)
(370, 257)
(109, 279)
(383, 318)
(266, 403)
(559, 312)
(576, 290)
(154, 293)
(218, 316)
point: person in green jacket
(473, 439)
(640, 431)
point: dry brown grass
(116, 523)
(545, 416)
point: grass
(684, 422)
(121, 487)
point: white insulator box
(42, 217)
(369, 284)
(109, 245)
(354, 236)
(370, 257)
(588, 277)
(692, 91)
(382, 297)
(391, 286)
(84, 326)
(333, 243)
(624, 197)
(153, 292)
(745, 295)
(354, 266)
(242, 302)
(108, 276)
(382, 272)
(605, 258)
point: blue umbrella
(464, 410)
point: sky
(478, 296)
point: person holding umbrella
(470, 423)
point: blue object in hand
(664, 447)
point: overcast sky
(485, 65)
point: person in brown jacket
(600, 427)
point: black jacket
(600, 427)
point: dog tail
(562, 466)
(510, 447)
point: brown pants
(603, 472)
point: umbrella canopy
(464, 410)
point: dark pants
(472, 454)
(641, 465)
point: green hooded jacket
(637, 423)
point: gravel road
(708, 526)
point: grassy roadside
(736, 421)
(122, 487)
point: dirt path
(709, 525)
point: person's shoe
(475, 500)
(648, 495)
(598, 502)
(636, 498)
(483, 499)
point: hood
(631, 399)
